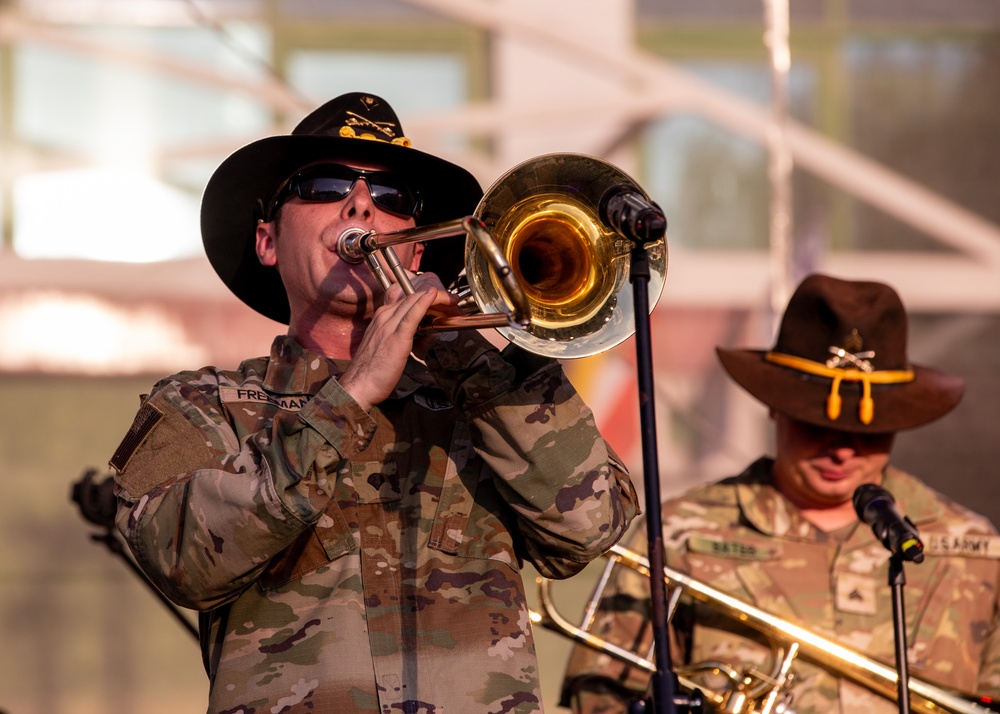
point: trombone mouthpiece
(350, 245)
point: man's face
(301, 242)
(819, 468)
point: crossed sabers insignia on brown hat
(842, 358)
(846, 366)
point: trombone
(748, 692)
(540, 264)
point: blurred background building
(855, 137)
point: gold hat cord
(866, 407)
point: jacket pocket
(471, 519)
(328, 539)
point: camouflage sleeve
(204, 511)
(570, 492)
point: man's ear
(265, 243)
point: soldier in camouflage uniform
(351, 521)
(784, 536)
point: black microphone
(629, 213)
(876, 507)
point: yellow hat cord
(349, 133)
(866, 408)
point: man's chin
(834, 492)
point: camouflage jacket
(742, 537)
(356, 561)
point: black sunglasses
(325, 183)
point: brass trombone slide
(355, 245)
(541, 264)
(834, 657)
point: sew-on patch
(963, 546)
(856, 594)
(736, 549)
(147, 418)
(233, 395)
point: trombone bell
(572, 268)
(556, 253)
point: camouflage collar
(292, 369)
(764, 507)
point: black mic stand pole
(642, 222)
(663, 680)
(897, 579)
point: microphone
(876, 507)
(629, 213)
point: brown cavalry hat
(840, 362)
(355, 126)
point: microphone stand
(897, 579)
(664, 697)
(641, 221)
(663, 685)
(876, 507)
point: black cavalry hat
(355, 126)
(840, 362)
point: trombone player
(350, 513)
(784, 536)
